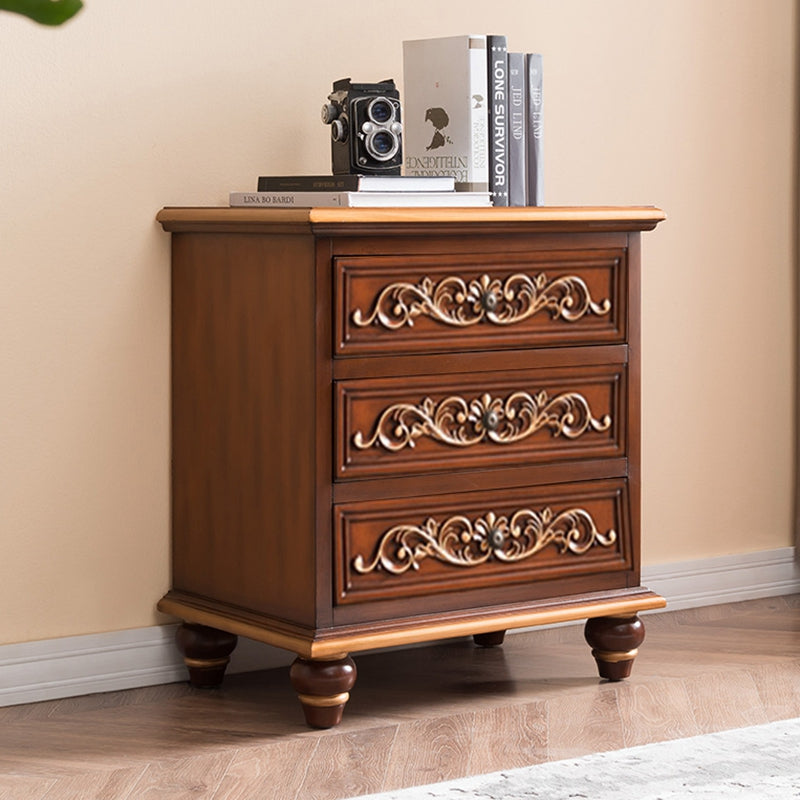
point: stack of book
(363, 191)
(474, 110)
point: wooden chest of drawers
(393, 426)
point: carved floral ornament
(464, 542)
(461, 423)
(454, 301)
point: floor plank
(655, 712)
(506, 737)
(271, 772)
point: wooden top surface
(342, 219)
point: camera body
(366, 128)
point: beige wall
(687, 104)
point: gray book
(517, 141)
(535, 130)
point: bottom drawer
(403, 548)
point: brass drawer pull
(462, 542)
(456, 421)
(453, 301)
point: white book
(358, 199)
(445, 116)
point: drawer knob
(461, 303)
(489, 301)
(496, 538)
(491, 419)
(463, 542)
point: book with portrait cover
(445, 109)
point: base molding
(331, 643)
(76, 665)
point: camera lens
(382, 145)
(383, 142)
(380, 110)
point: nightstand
(399, 425)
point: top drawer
(407, 304)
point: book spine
(497, 82)
(355, 183)
(286, 199)
(309, 183)
(478, 179)
(517, 162)
(535, 130)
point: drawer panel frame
(441, 303)
(426, 546)
(394, 427)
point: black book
(517, 140)
(497, 75)
(535, 132)
(356, 183)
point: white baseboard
(725, 579)
(76, 665)
(105, 662)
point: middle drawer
(392, 426)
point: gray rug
(762, 763)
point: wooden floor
(416, 716)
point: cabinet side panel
(243, 409)
(635, 398)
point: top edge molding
(330, 220)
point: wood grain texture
(651, 713)
(421, 714)
(25, 787)
(351, 764)
(117, 784)
(436, 749)
(506, 737)
(584, 722)
(734, 702)
(183, 779)
(779, 689)
(243, 425)
(269, 772)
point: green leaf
(46, 12)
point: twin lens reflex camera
(365, 128)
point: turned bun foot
(323, 688)
(614, 642)
(491, 639)
(206, 653)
